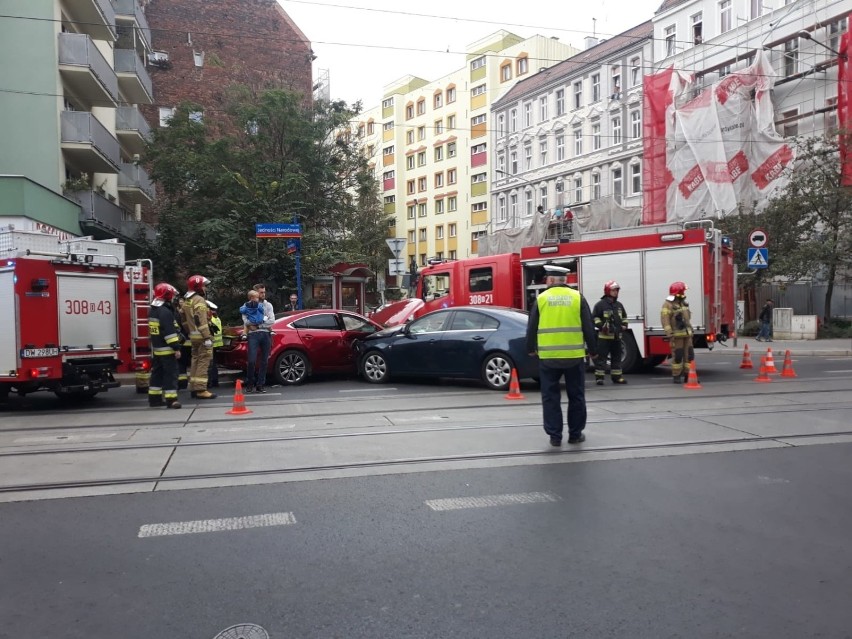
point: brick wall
(249, 42)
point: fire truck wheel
(374, 368)
(497, 371)
(655, 360)
(292, 367)
(631, 361)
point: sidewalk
(817, 347)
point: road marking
(846, 371)
(459, 503)
(369, 390)
(216, 525)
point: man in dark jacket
(765, 319)
(610, 321)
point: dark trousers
(259, 345)
(213, 371)
(551, 398)
(609, 348)
(164, 380)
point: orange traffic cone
(770, 362)
(763, 375)
(239, 401)
(692, 379)
(746, 363)
(514, 387)
(788, 371)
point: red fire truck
(644, 260)
(73, 314)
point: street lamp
(805, 35)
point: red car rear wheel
(291, 368)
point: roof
(597, 53)
(669, 4)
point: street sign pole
(396, 244)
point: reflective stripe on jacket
(163, 331)
(560, 332)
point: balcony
(132, 25)
(133, 79)
(86, 143)
(134, 185)
(105, 220)
(132, 129)
(94, 17)
(85, 71)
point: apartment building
(72, 80)
(429, 141)
(570, 137)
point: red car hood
(398, 312)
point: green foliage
(836, 327)
(265, 158)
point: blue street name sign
(758, 258)
(274, 229)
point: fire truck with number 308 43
(78, 314)
(644, 260)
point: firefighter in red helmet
(195, 315)
(610, 321)
(164, 332)
(677, 324)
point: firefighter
(164, 331)
(676, 321)
(185, 348)
(195, 313)
(610, 321)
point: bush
(837, 327)
(749, 329)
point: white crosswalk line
(487, 501)
(216, 525)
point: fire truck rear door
(88, 311)
(8, 334)
(680, 264)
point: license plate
(40, 352)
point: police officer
(611, 321)
(560, 323)
(194, 312)
(676, 321)
(164, 333)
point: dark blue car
(471, 342)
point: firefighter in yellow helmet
(677, 324)
(195, 318)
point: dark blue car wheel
(374, 367)
(497, 371)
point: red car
(303, 343)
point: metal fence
(806, 298)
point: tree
(808, 221)
(266, 157)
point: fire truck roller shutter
(88, 311)
(8, 336)
(664, 266)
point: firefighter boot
(205, 394)
(172, 403)
(619, 380)
(155, 401)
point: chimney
(590, 41)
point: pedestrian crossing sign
(758, 258)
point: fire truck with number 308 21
(644, 260)
(77, 312)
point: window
(513, 120)
(523, 66)
(791, 57)
(439, 209)
(835, 29)
(528, 202)
(697, 27)
(421, 158)
(790, 123)
(513, 206)
(501, 166)
(616, 130)
(527, 157)
(451, 150)
(451, 229)
(596, 186)
(439, 127)
(542, 152)
(616, 184)
(409, 137)
(411, 208)
(439, 230)
(669, 42)
(479, 177)
(421, 106)
(166, 114)
(724, 16)
(635, 71)
(578, 189)
(615, 74)
(387, 103)
(578, 94)
(560, 102)
(371, 128)
(506, 73)
(387, 126)
(578, 142)
(421, 133)
(756, 8)
(439, 153)
(452, 205)
(453, 254)
(478, 148)
(388, 150)
(196, 116)
(410, 187)
(323, 322)
(478, 119)
(636, 125)
(451, 122)
(479, 206)
(542, 109)
(501, 208)
(477, 90)
(830, 118)
(513, 162)
(409, 162)
(390, 199)
(439, 180)
(528, 114)
(596, 135)
(421, 209)
(389, 175)
(596, 87)
(501, 125)
(542, 198)
(438, 100)
(452, 176)
(421, 184)
(411, 237)
(422, 235)
(560, 147)
(409, 111)
(478, 63)
(636, 179)
(451, 95)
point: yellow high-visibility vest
(560, 326)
